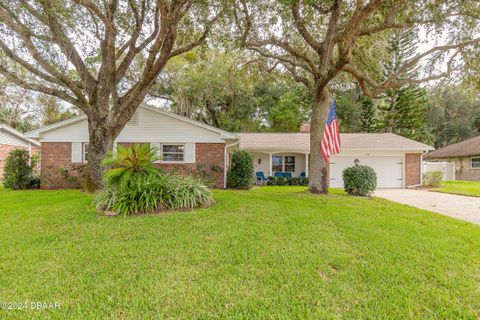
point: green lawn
(468, 188)
(274, 252)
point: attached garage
(395, 159)
(389, 169)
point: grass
(467, 188)
(274, 252)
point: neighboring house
(395, 159)
(465, 155)
(187, 146)
(11, 139)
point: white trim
(174, 144)
(224, 134)
(271, 165)
(307, 164)
(422, 167)
(36, 133)
(471, 163)
(267, 150)
(18, 134)
(83, 152)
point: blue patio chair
(303, 175)
(287, 174)
(261, 177)
(279, 174)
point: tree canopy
(100, 56)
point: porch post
(270, 173)
(306, 165)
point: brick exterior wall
(412, 169)
(208, 166)
(211, 158)
(57, 169)
(5, 150)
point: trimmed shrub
(241, 171)
(359, 180)
(17, 174)
(293, 181)
(433, 179)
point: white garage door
(389, 170)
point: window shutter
(190, 152)
(157, 146)
(76, 152)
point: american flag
(330, 144)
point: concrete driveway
(460, 207)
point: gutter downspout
(225, 164)
(421, 171)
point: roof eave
(35, 134)
(19, 135)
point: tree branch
(199, 41)
(67, 47)
(9, 53)
(302, 29)
(39, 88)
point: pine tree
(404, 109)
(368, 121)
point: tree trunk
(318, 171)
(100, 142)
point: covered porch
(281, 162)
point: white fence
(447, 168)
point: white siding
(76, 152)
(150, 127)
(10, 139)
(156, 145)
(190, 152)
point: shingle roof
(470, 147)
(301, 142)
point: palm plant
(127, 162)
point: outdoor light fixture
(356, 161)
(259, 161)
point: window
(85, 152)
(290, 164)
(476, 163)
(277, 163)
(283, 163)
(173, 152)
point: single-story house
(465, 155)
(190, 146)
(187, 146)
(395, 159)
(11, 139)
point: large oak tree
(102, 56)
(325, 43)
